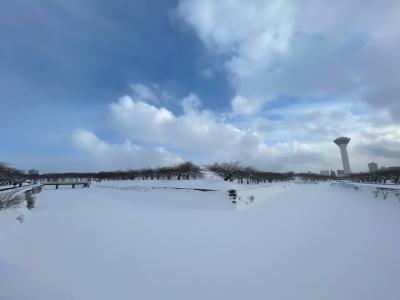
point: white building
(372, 167)
(340, 172)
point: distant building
(340, 172)
(325, 172)
(372, 167)
(333, 174)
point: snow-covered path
(294, 242)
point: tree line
(182, 171)
(11, 176)
(389, 175)
(228, 171)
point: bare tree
(389, 175)
(10, 176)
(227, 170)
(187, 170)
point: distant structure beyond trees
(372, 167)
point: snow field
(311, 241)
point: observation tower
(342, 143)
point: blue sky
(226, 80)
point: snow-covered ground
(6, 187)
(125, 240)
(374, 185)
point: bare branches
(227, 170)
(10, 176)
(186, 170)
(230, 171)
(389, 175)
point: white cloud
(103, 156)
(191, 103)
(87, 140)
(143, 93)
(373, 138)
(197, 134)
(226, 24)
(243, 106)
(382, 144)
(151, 93)
(194, 132)
(139, 120)
(304, 49)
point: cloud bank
(300, 138)
(305, 49)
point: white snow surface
(117, 241)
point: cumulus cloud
(382, 143)
(304, 49)
(105, 156)
(199, 135)
(151, 94)
(191, 103)
(243, 106)
(373, 138)
(143, 93)
(195, 132)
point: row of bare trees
(231, 171)
(10, 176)
(186, 170)
(313, 177)
(390, 175)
